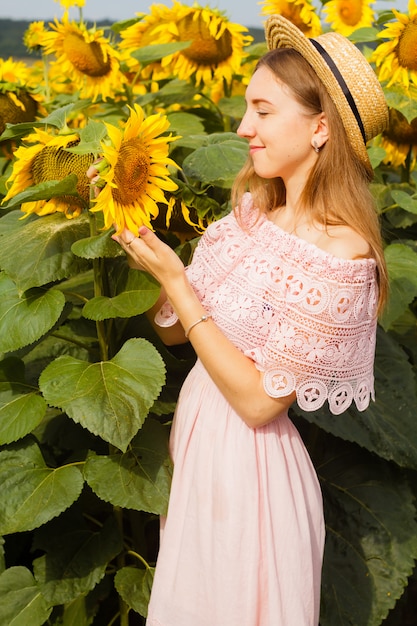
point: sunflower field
(87, 391)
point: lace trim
(166, 316)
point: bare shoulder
(344, 242)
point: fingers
(92, 172)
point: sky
(245, 12)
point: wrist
(184, 301)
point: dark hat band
(346, 91)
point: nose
(245, 129)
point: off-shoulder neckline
(259, 219)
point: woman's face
(279, 130)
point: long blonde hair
(337, 189)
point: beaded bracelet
(203, 318)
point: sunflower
(396, 59)
(17, 103)
(301, 13)
(346, 16)
(216, 47)
(34, 36)
(399, 138)
(85, 57)
(67, 4)
(46, 159)
(136, 172)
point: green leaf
(25, 318)
(385, 427)
(98, 246)
(134, 586)
(33, 493)
(45, 191)
(44, 248)
(366, 34)
(21, 406)
(185, 123)
(138, 479)
(21, 601)
(402, 270)
(21, 410)
(59, 117)
(91, 137)
(376, 155)
(76, 560)
(156, 52)
(371, 539)
(403, 101)
(405, 200)
(217, 163)
(234, 106)
(137, 297)
(111, 398)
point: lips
(253, 149)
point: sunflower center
(350, 11)
(204, 49)
(131, 171)
(86, 57)
(53, 163)
(16, 107)
(399, 130)
(407, 46)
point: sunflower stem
(121, 562)
(47, 89)
(406, 170)
(99, 291)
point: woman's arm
(235, 375)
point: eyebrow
(260, 101)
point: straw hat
(347, 76)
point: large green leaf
(402, 269)
(24, 318)
(137, 296)
(33, 493)
(371, 534)
(43, 247)
(137, 479)
(111, 398)
(387, 425)
(218, 162)
(21, 601)
(75, 559)
(21, 406)
(45, 191)
(134, 586)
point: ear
(320, 131)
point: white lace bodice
(305, 317)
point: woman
(280, 304)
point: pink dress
(242, 543)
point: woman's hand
(149, 253)
(93, 175)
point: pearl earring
(315, 146)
